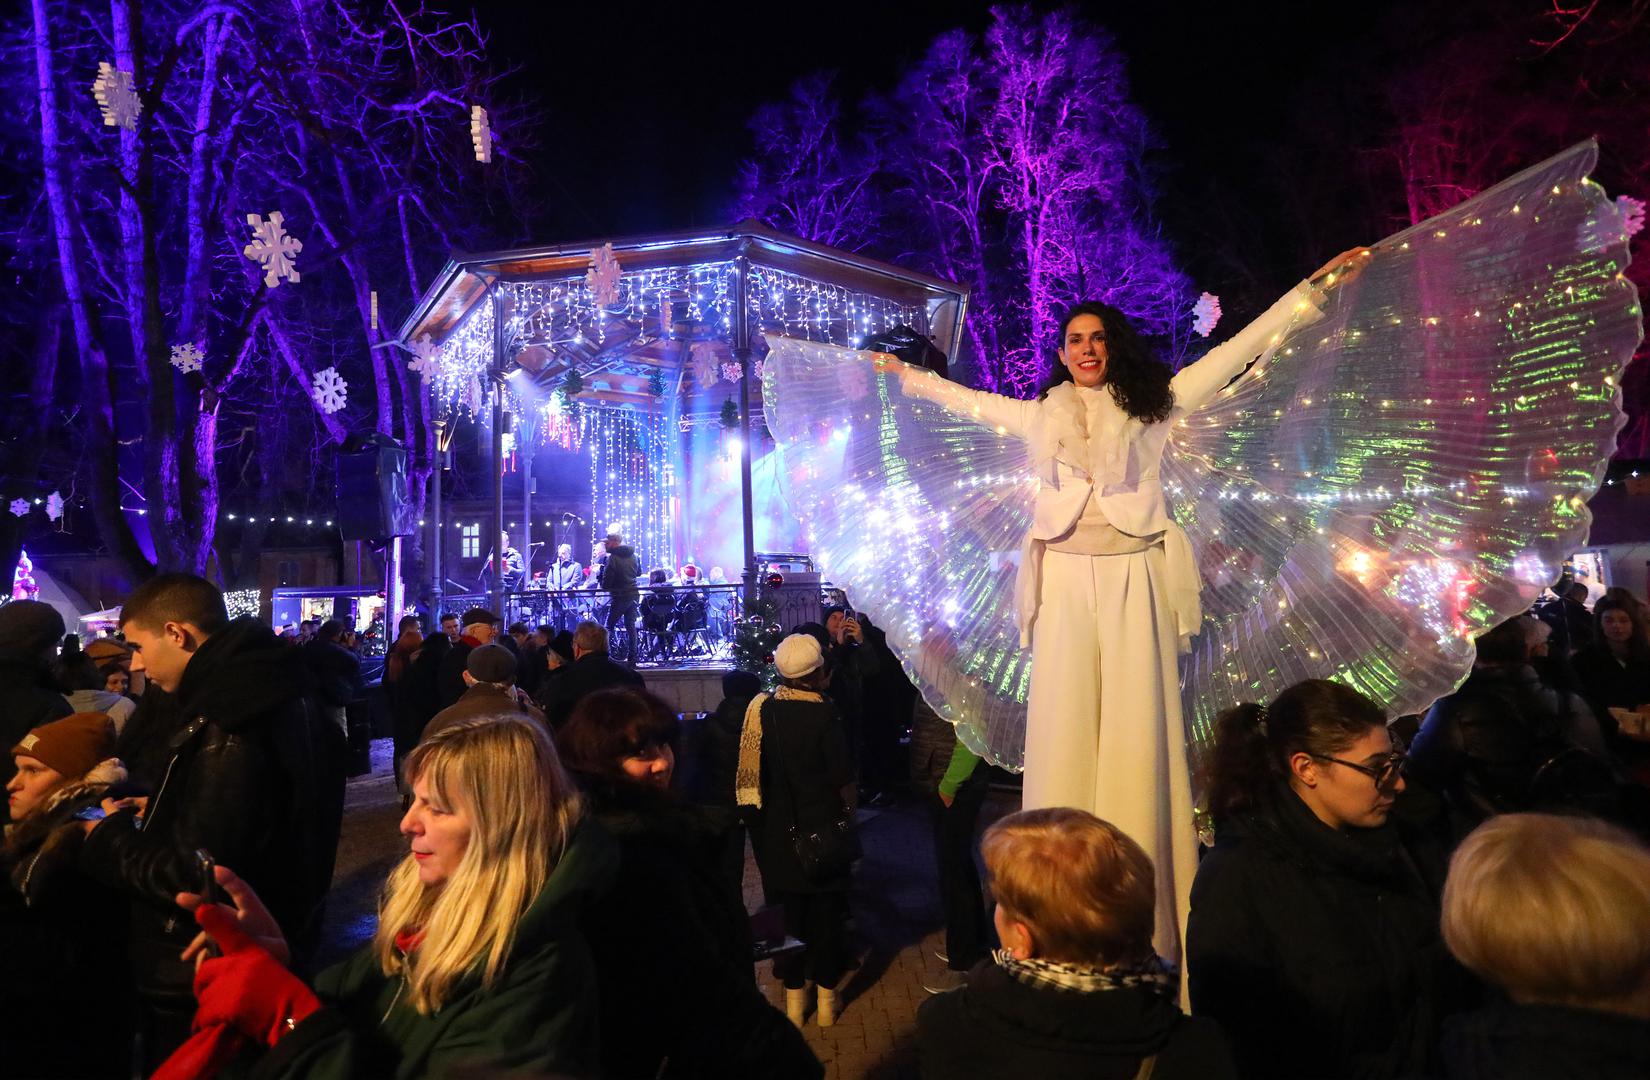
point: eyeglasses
(1385, 774)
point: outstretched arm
(1197, 383)
(1010, 416)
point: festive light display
(1381, 485)
(240, 602)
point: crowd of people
(570, 898)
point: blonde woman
(1551, 911)
(477, 962)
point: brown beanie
(73, 745)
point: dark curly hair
(1139, 382)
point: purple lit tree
(1012, 162)
(352, 120)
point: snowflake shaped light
(20, 507)
(54, 505)
(730, 370)
(703, 357)
(472, 396)
(481, 133)
(1632, 214)
(187, 358)
(330, 392)
(602, 279)
(1205, 314)
(116, 97)
(426, 361)
(273, 248)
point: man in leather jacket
(246, 780)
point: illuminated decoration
(1632, 214)
(20, 507)
(54, 506)
(1205, 314)
(239, 602)
(632, 479)
(115, 96)
(273, 249)
(186, 358)
(426, 361)
(330, 392)
(481, 134)
(373, 305)
(1382, 485)
(23, 584)
(704, 363)
(603, 277)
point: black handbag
(825, 853)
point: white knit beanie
(797, 655)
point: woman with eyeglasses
(1313, 936)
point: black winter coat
(1318, 951)
(418, 697)
(805, 767)
(28, 698)
(620, 572)
(586, 675)
(253, 780)
(672, 944)
(1545, 1042)
(64, 944)
(336, 671)
(1505, 743)
(450, 684)
(996, 1027)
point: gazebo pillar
(747, 498)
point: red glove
(247, 988)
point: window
(469, 537)
(286, 572)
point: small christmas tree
(656, 385)
(758, 634)
(572, 384)
(730, 415)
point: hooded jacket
(1083, 445)
(247, 780)
(996, 1026)
(539, 1017)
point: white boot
(829, 1003)
(796, 1004)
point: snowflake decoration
(331, 392)
(1205, 314)
(602, 279)
(472, 396)
(730, 371)
(481, 133)
(703, 358)
(1632, 214)
(760, 368)
(20, 507)
(115, 96)
(273, 248)
(187, 358)
(374, 301)
(426, 362)
(54, 506)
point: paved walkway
(897, 924)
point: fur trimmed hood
(40, 848)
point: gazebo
(644, 354)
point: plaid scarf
(747, 782)
(1154, 974)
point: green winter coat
(539, 1018)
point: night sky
(645, 105)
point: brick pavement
(895, 907)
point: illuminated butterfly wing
(1410, 470)
(919, 514)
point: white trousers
(1103, 724)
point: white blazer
(1083, 446)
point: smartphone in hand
(206, 869)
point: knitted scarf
(747, 782)
(1153, 974)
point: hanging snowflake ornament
(20, 507)
(54, 506)
(1205, 314)
(1632, 214)
(186, 358)
(472, 396)
(481, 133)
(602, 279)
(426, 362)
(116, 97)
(330, 392)
(273, 248)
(730, 370)
(703, 357)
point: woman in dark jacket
(1551, 911)
(1313, 932)
(671, 939)
(794, 768)
(1614, 673)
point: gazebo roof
(463, 282)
